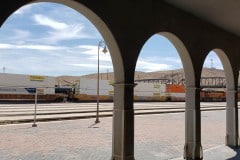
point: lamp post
(100, 44)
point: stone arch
(102, 28)
(184, 55)
(232, 124)
(227, 68)
(232, 131)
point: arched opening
(163, 70)
(216, 80)
(56, 45)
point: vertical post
(232, 133)
(107, 74)
(104, 51)
(193, 147)
(123, 122)
(35, 110)
(97, 114)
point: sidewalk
(159, 136)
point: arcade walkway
(195, 28)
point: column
(232, 137)
(123, 122)
(193, 147)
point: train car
(159, 92)
(149, 92)
(18, 87)
(212, 96)
(175, 92)
(86, 90)
(14, 87)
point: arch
(184, 56)
(232, 131)
(228, 70)
(192, 146)
(102, 28)
(230, 85)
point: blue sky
(53, 39)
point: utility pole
(211, 63)
(4, 68)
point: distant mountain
(176, 75)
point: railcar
(86, 90)
(23, 87)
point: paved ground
(18, 113)
(159, 136)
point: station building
(194, 27)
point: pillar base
(123, 158)
(232, 141)
(193, 151)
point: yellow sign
(110, 92)
(40, 91)
(36, 78)
(156, 86)
(110, 82)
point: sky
(53, 40)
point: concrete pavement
(158, 136)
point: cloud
(60, 31)
(175, 60)
(45, 21)
(148, 66)
(34, 47)
(90, 65)
(102, 57)
(88, 49)
(44, 39)
(49, 60)
(93, 52)
(20, 34)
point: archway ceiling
(222, 13)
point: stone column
(123, 122)
(232, 137)
(193, 147)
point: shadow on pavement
(237, 156)
(93, 125)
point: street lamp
(100, 44)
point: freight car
(212, 96)
(86, 90)
(22, 88)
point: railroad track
(24, 113)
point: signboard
(40, 91)
(36, 78)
